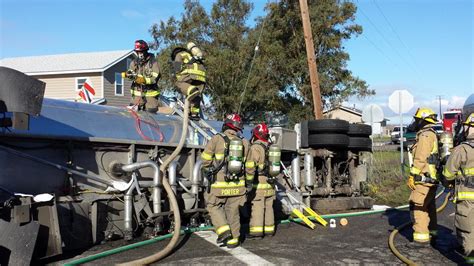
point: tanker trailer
(75, 174)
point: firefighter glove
(130, 74)
(411, 182)
(140, 79)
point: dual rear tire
(338, 134)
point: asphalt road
(363, 241)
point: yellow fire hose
(172, 197)
(403, 226)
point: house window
(79, 83)
(118, 84)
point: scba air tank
(236, 156)
(445, 145)
(195, 51)
(274, 158)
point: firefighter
(460, 169)
(222, 165)
(144, 72)
(262, 221)
(422, 180)
(190, 74)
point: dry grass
(387, 185)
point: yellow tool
(310, 211)
(304, 218)
(315, 215)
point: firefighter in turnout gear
(222, 165)
(144, 72)
(260, 173)
(459, 169)
(190, 74)
(423, 178)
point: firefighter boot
(222, 238)
(254, 235)
(415, 245)
(194, 113)
(233, 243)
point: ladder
(201, 126)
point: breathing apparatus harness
(228, 177)
(271, 166)
(468, 180)
(433, 159)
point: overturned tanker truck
(74, 175)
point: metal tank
(468, 107)
(87, 138)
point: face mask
(141, 56)
(413, 126)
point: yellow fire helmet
(470, 120)
(426, 114)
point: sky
(423, 46)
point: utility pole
(311, 55)
(439, 99)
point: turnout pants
(423, 211)
(192, 88)
(224, 212)
(150, 104)
(262, 219)
(465, 228)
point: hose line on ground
(172, 197)
(207, 228)
(403, 226)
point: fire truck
(450, 117)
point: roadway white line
(239, 253)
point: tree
(331, 23)
(278, 82)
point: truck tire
(328, 140)
(360, 143)
(328, 126)
(359, 130)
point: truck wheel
(328, 126)
(328, 140)
(359, 130)
(360, 143)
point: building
(65, 74)
(353, 115)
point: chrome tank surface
(70, 120)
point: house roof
(347, 109)
(355, 111)
(65, 63)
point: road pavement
(363, 241)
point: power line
(396, 34)
(385, 38)
(381, 51)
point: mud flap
(17, 243)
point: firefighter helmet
(426, 114)
(234, 121)
(141, 46)
(261, 132)
(469, 120)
